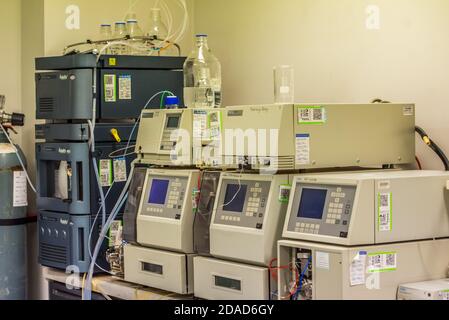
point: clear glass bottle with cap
(105, 34)
(158, 32)
(120, 32)
(202, 77)
(134, 32)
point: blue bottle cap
(171, 101)
(201, 35)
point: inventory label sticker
(284, 193)
(214, 125)
(303, 149)
(199, 125)
(312, 115)
(120, 173)
(382, 262)
(115, 234)
(110, 88)
(106, 173)
(357, 269)
(20, 198)
(385, 212)
(125, 87)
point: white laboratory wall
(342, 51)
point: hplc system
(361, 235)
(163, 256)
(246, 225)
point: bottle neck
(156, 15)
(202, 43)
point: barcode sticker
(385, 212)
(311, 115)
(110, 88)
(120, 173)
(284, 193)
(115, 234)
(106, 173)
(382, 262)
(199, 126)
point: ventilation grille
(46, 105)
(286, 163)
(40, 132)
(53, 254)
(277, 163)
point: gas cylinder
(13, 213)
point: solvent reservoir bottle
(202, 77)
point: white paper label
(357, 269)
(110, 88)
(385, 212)
(120, 174)
(20, 189)
(199, 125)
(106, 173)
(322, 260)
(124, 84)
(382, 262)
(62, 181)
(303, 149)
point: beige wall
(32, 25)
(10, 56)
(336, 58)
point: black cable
(432, 145)
(379, 101)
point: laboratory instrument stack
(91, 108)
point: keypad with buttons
(336, 216)
(253, 208)
(176, 193)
